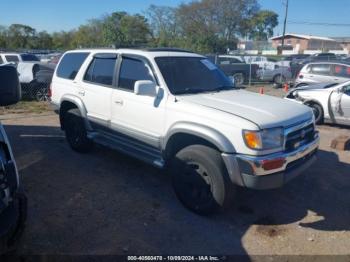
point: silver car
(323, 72)
(330, 102)
(279, 75)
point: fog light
(273, 164)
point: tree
(43, 40)
(163, 25)
(20, 36)
(121, 29)
(89, 35)
(262, 25)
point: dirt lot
(106, 203)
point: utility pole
(284, 27)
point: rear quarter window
(321, 69)
(12, 58)
(70, 65)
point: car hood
(263, 110)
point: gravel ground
(107, 203)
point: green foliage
(206, 26)
(262, 25)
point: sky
(68, 14)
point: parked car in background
(262, 61)
(15, 58)
(35, 79)
(297, 64)
(177, 110)
(329, 101)
(235, 67)
(286, 61)
(278, 75)
(323, 72)
(13, 204)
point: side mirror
(10, 88)
(145, 88)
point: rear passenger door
(97, 87)
(140, 117)
(341, 73)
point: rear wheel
(279, 79)
(76, 132)
(41, 94)
(200, 179)
(318, 112)
(239, 79)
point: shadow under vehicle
(12, 200)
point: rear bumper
(248, 171)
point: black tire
(279, 79)
(318, 112)
(75, 130)
(239, 79)
(16, 214)
(200, 179)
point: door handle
(82, 93)
(119, 102)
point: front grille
(299, 137)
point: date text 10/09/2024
(173, 258)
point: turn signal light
(273, 164)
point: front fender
(211, 135)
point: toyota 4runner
(177, 110)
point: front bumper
(248, 171)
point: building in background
(344, 42)
(304, 43)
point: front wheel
(318, 113)
(200, 179)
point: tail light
(49, 93)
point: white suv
(176, 109)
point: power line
(317, 23)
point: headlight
(264, 139)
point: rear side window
(101, 71)
(342, 71)
(1, 62)
(12, 58)
(321, 69)
(29, 57)
(133, 70)
(70, 65)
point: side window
(321, 69)
(1, 61)
(12, 58)
(346, 90)
(70, 65)
(132, 70)
(101, 71)
(342, 71)
(234, 61)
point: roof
(145, 52)
(308, 37)
(342, 39)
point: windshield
(189, 75)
